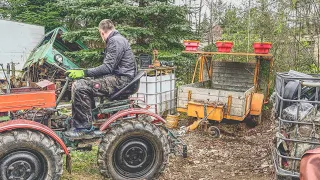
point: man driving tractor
(116, 71)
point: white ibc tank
(157, 89)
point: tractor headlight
(58, 58)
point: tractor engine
(34, 104)
(46, 117)
(41, 116)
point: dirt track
(241, 153)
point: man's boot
(74, 133)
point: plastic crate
(224, 46)
(191, 45)
(262, 48)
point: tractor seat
(129, 89)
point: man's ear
(102, 35)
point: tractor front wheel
(29, 155)
(133, 149)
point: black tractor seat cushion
(129, 89)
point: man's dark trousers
(83, 93)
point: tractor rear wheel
(29, 155)
(133, 149)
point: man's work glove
(75, 73)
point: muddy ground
(242, 153)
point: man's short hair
(106, 25)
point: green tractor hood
(50, 50)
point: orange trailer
(226, 89)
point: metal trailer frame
(204, 65)
(281, 79)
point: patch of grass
(84, 166)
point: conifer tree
(148, 24)
(41, 12)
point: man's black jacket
(118, 59)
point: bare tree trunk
(210, 36)
(190, 14)
(199, 22)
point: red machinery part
(133, 111)
(309, 165)
(31, 125)
(27, 100)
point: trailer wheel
(133, 149)
(214, 131)
(28, 155)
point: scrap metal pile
(48, 61)
(297, 118)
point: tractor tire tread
(125, 126)
(16, 136)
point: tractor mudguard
(133, 111)
(31, 125)
(309, 165)
(26, 124)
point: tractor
(134, 142)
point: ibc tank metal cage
(157, 90)
(297, 119)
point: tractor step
(88, 147)
(86, 136)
